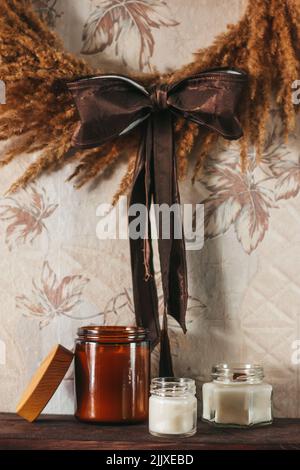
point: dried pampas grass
(39, 114)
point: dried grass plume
(39, 114)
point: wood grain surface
(65, 432)
(44, 382)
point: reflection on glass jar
(237, 396)
(112, 371)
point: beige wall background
(55, 275)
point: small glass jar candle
(237, 396)
(173, 407)
(112, 374)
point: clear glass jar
(237, 396)
(172, 407)
(112, 374)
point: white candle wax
(172, 415)
(239, 403)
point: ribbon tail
(143, 280)
(155, 177)
(165, 361)
(178, 294)
(170, 231)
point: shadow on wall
(218, 276)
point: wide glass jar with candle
(237, 396)
(173, 407)
(112, 373)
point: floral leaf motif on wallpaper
(112, 21)
(51, 297)
(120, 309)
(245, 199)
(237, 199)
(25, 215)
(287, 173)
(47, 10)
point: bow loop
(211, 99)
(108, 106)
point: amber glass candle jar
(112, 372)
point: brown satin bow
(111, 105)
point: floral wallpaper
(113, 21)
(244, 283)
(51, 296)
(246, 199)
(25, 215)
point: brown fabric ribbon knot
(159, 96)
(111, 105)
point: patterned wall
(244, 284)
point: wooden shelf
(65, 432)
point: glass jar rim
(172, 386)
(237, 372)
(112, 333)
